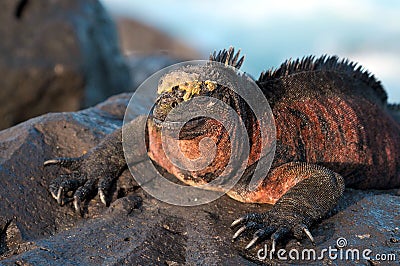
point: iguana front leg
(96, 170)
(306, 203)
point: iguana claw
(102, 197)
(309, 235)
(252, 242)
(76, 183)
(92, 173)
(239, 232)
(268, 224)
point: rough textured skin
(334, 128)
(335, 116)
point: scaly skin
(334, 128)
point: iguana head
(185, 86)
(188, 82)
(173, 93)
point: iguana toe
(62, 185)
(271, 225)
(70, 163)
(83, 193)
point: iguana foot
(89, 174)
(77, 186)
(274, 224)
(297, 210)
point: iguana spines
(228, 57)
(327, 64)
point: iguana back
(332, 113)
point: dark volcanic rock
(56, 56)
(138, 229)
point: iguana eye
(174, 104)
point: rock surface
(138, 229)
(56, 56)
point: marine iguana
(334, 128)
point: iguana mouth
(187, 130)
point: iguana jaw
(188, 130)
(189, 149)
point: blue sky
(268, 32)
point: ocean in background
(269, 32)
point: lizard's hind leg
(313, 191)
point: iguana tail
(394, 110)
